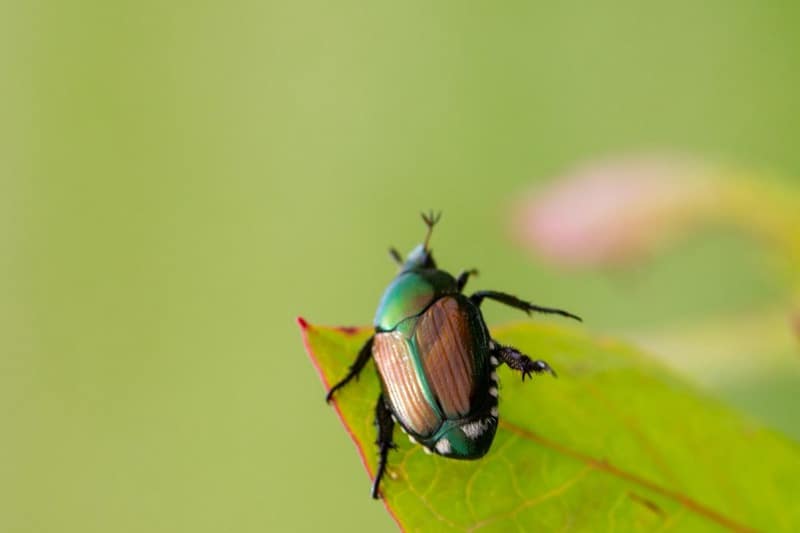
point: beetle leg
(385, 426)
(462, 278)
(515, 302)
(355, 368)
(396, 256)
(520, 362)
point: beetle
(436, 360)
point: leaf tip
(302, 323)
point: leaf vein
(604, 466)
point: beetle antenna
(430, 220)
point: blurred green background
(180, 180)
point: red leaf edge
(304, 329)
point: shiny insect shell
(431, 349)
(436, 360)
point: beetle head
(421, 256)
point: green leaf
(616, 443)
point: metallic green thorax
(410, 294)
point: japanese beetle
(436, 360)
